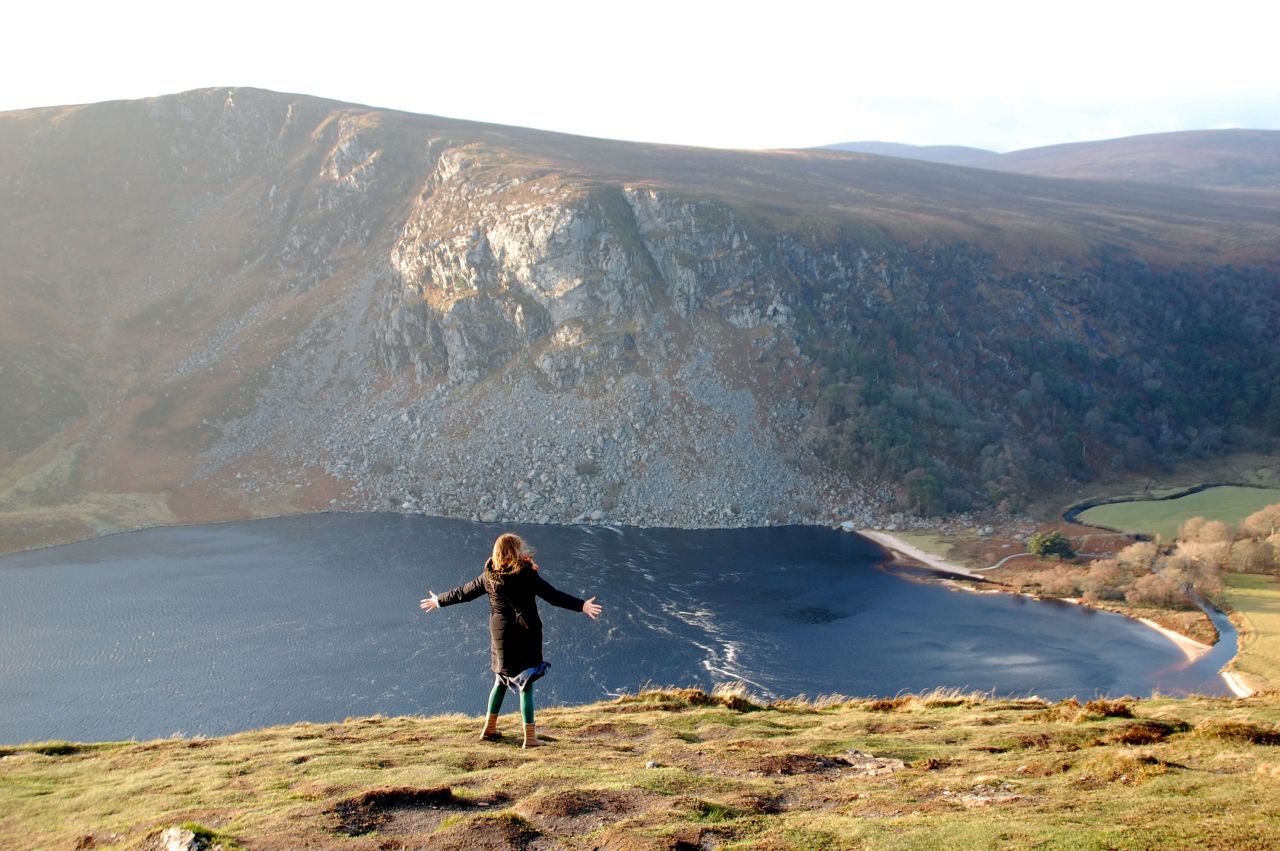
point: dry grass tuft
(1095, 710)
(1124, 768)
(938, 698)
(889, 704)
(733, 696)
(1232, 730)
(948, 697)
(1108, 709)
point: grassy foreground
(682, 769)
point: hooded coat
(515, 630)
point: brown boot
(490, 732)
(531, 737)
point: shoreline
(897, 546)
(1237, 684)
(1190, 648)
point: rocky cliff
(232, 302)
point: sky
(999, 75)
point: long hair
(508, 552)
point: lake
(213, 629)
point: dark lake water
(212, 629)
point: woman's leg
(490, 731)
(526, 714)
(495, 696)
(526, 703)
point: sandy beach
(1189, 646)
(900, 547)
(1236, 683)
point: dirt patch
(687, 839)
(499, 832)
(613, 730)
(757, 803)
(1146, 732)
(576, 811)
(797, 763)
(402, 811)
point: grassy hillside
(1240, 159)
(1255, 600)
(681, 769)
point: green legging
(526, 700)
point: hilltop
(231, 303)
(680, 769)
(1224, 159)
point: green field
(1164, 516)
(1256, 599)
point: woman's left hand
(431, 602)
(591, 608)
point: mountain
(948, 154)
(232, 302)
(1238, 159)
(1227, 159)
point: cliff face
(231, 302)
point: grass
(931, 542)
(1256, 601)
(1163, 517)
(672, 767)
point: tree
(1262, 523)
(924, 493)
(1154, 590)
(1140, 556)
(1250, 556)
(1044, 544)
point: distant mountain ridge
(946, 154)
(234, 302)
(1233, 159)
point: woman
(512, 581)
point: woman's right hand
(592, 609)
(431, 602)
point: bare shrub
(1059, 583)
(1154, 590)
(1139, 556)
(1211, 553)
(1105, 580)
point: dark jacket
(515, 630)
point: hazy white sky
(1001, 75)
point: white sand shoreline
(1237, 684)
(900, 547)
(1189, 646)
